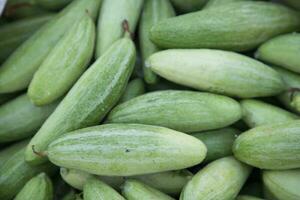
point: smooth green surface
(257, 113)
(38, 188)
(134, 88)
(126, 149)
(215, 3)
(220, 180)
(184, 111)
(217, 71)
(95, 189)
(13, 34)
(17, 71)
(15, 172)
(274, 146)
(238, 26)
(282, 185)
(218, 142)
(64, 64)
(154, 11)
(90, 99)
(135, 190)
(282, 51)
(20, 118)
(7, 152)
(111, 16)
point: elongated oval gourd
(96, 189)
(64, 63)
(246, 197)
(185, 111)
(282, 51)
(238, 26)
(293, 3)
(90, 99)
(38, 188)
(52, 4)
(20, 119)
(215, 3)
(14, 33)
(218, 142)
(136, 190)
(126, 149)
(134, 88)
(17, 71)
(282, 184)
(257, 113)
(154, 11)
(274, 146)
(111, 16)
(15, 172)
(217, 71)
(222, 179)
(169, 182)
(188, 5)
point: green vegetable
(135, 190)
(134, 88)
(238, 26)
(20, 119)
(17, 71)
(15, 172)
(217, 71)
(90, 99)
(95, 189)
(170, 182)
(282, 185)
(274, 146)
(126, 149)
(257, 113)
(111, 16)
(38, 188)
(7, 152)
(185, 111)
(64, 64)
(283, 51)
(218, 142)
(14, 34)
(154, 11)
(215, 3)
(220, 180)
